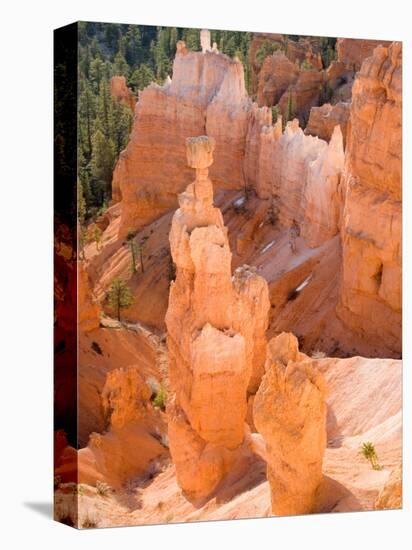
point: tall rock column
(215, 347)
(290, 413)
(371, 288)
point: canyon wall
(322, 120)
(370, 297)
(215, 333)
(302, 176)
(206, 93)
(297, 176)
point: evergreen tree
(105, 107)
(120, 296)
(97, 236)
(120, 66)
(97, 72)
(87, 114)
(112, 35)
(133, 50)
(122, 119)
(290, 108)
(102, 164)
(81, 203)
(173, 41)
(141, 77)
(133, 249)
(192, 39)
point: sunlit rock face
(206, 95)
(216, 341)
(370, 296)
(289, 411)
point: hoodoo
(216, 346)
(290, 413)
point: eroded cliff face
(276, 75)
(88, 307)
(306, 49)
(353, 51)
(298, 182)
(322, 120)
(290, 412)
(216, 337)
(206, 93)
(370, 296)
(302, 174)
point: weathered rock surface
(133, 430)
(306, 49)
(353, 51)
(215, 348)
(206, 89)
(390, 498)
(322, 120)
(120, 91)
(350, 54)
(88, 308)
(257, 42)
(289, 411)
(300, 97)
(370, 297)
(302, 174)
(275, 77)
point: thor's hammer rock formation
(216, 327)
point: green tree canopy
(120, 296)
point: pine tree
(102, 163)
(120, 296)
(192, 39)
(104, 108)
(133, 249)
(112, 35)
(141, 77)
(120, 66)
(290, 108)
(133, 50)
(97, 71)
(87, 114)
(122, 119)
(97, 236)
(173, 41)
(81, 203)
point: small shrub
(169, 518)
(369, 452)
(103, 489)
(160, 398)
